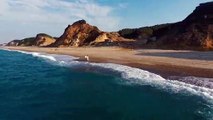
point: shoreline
(146, 59)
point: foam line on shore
(133, 75)
(139, 76)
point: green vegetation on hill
(143, 32)
(26, 41)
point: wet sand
(164, 62)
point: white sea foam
(49, 57)
(142, 77)
(134, 75)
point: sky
(26, 18)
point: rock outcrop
(43, 40)
(40, 40)
(110, 39)
(81, 33)
(78, 34)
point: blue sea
(40, 86)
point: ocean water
(39, 86)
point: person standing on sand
(86, 57)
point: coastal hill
(40, 40)
(195, 32)
(43, 40)
(81, 33)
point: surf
(131, 75)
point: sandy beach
(163, 62)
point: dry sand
(163, 62)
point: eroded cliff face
(81, 33)
(78, 34)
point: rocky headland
(195, 32)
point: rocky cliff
(78, 34)
(81, 33)
(194, 32)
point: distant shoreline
(163, 62)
